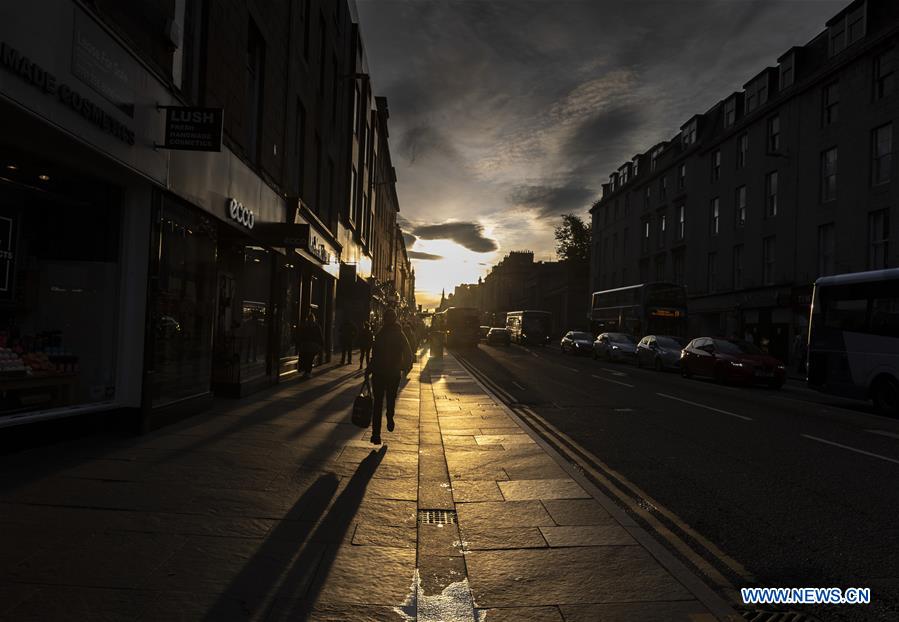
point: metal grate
(437, 517)
(777, 616)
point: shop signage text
(46, 82)
(193, 129)
(240, 214)
(318, 250)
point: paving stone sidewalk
(275, 507)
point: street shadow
(301, 528)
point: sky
(504, 115)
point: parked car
(660, 352)
(482, 332)
(577, 342)
(499, 336)
(728, 360)
(614, 347)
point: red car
(728, 360)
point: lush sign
(193, 129)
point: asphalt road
(800, 488)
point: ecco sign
(238, 213)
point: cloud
(467, 234)
(424, 256)
(409, 239)
(424, 141)
(552, 200)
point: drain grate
(437, 517)
(777, 616)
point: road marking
(858, 451)
(883, 433)
(717, 410)
(623, 410)
(638, 502)
(518, 385)
(624, 384)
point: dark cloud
(423, 141)
(553, 200)
(467, 234)
(424, 256)
(409, 239)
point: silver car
(660, 352)
(614, 347)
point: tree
(573, 239)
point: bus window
(885, 317)
(848, 315)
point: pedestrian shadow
(274, 583)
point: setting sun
(456, 265)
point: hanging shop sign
(240, 214)
(318, 250)
(7, 254)
(18, 64)
(193, 129)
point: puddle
(453, 604)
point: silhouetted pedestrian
(366, 339)
(309, 343)
(390, 357)
(347, 336)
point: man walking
(309, 343)
(347, 336)
(366, 338)
(391, 356)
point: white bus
(529, 327)
(853, 342)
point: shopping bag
(363, 406)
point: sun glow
(456, 265)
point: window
(644, 241)
(681, 222)
(663, 188)
(615, 208)
(323, 38)
(774, 134)
(307, 19)
(882, 154)
(740, 212)
(357, 104)
(334, 89)
(660, 268)
(883, 74)
(830, 103)
(627, 203)
(829, 175)
(689, 134)
(716, 165)
(714, 217)
(300, 149)
(855, 24)
(750, 100)
(730, 112)
(663, 228)
(353, 194)
(786, 72)
(771, 194)
(678, 266)
(644, 270)
(768, 260)
(255, 65)
(614, 247)
(738, 267)
(712, 274)
(878, 239)
(742, 150)
(319, 198)
(636, 166)
(654, 158)
(682, 177)
(826, 249)
(624, 244)
(837, 35)
(647, 193)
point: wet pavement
(275, 507)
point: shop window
(182, 305)
(242, 325)
(59, 294)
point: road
(751, 486)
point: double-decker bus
(853, 338)
(644, 309)
(461, 326)
(529, 327)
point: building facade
(789, 179)
(144, 280)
